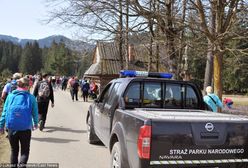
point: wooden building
(107, 65)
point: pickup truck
(159, 123)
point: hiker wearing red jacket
(228, 102)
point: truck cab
(156, 122)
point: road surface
(64, 140)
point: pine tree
(36, 57)
(26, 59)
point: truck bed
(186, 115)
(196, 138)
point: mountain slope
(75, 45)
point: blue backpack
(86, 87)
(19, 114)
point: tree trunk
(180, 53)
(209, 67)
(218, 65)
(127, 34)
(157, 8)
(209, 64)
(150, 55)
(157, 57)
(219, 48)
(121, 35)
(170, 38)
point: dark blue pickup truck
(160, 123)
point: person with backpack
(43, 91)
(212, 100)
(228, 102)
(74, 88)
(85, 90)
(20, 115)
(93, 90)
(64, 83)
(10, 86)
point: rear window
(191, 98)
(132, 96)
(152, 95)
(173, 96)
(161, 95)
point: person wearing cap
(10, 86)
(212, 100)
(19, 128)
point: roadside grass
(242, 103)
(238, 99)
(4, 145)
(5, 149)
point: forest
(31, 59)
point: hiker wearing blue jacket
(20, 115)
(10, 86)
(212, 100)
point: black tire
(116, 156)
(91, 136)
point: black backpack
(75, 85)
(44, 89)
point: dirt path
(64, 139)
(241, 107)
(5, 149)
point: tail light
(144, 142)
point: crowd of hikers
(88, 89)
(25, 105)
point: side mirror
(122, 103)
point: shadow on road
(54, 140)
(54, 129)
(99, 144)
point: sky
(24, 19)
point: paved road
(64, 140)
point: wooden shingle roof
(106, 60)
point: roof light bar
(132, 73)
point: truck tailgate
(197, 138)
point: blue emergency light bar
(132, 73)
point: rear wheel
(91, 136)
(116, 156)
